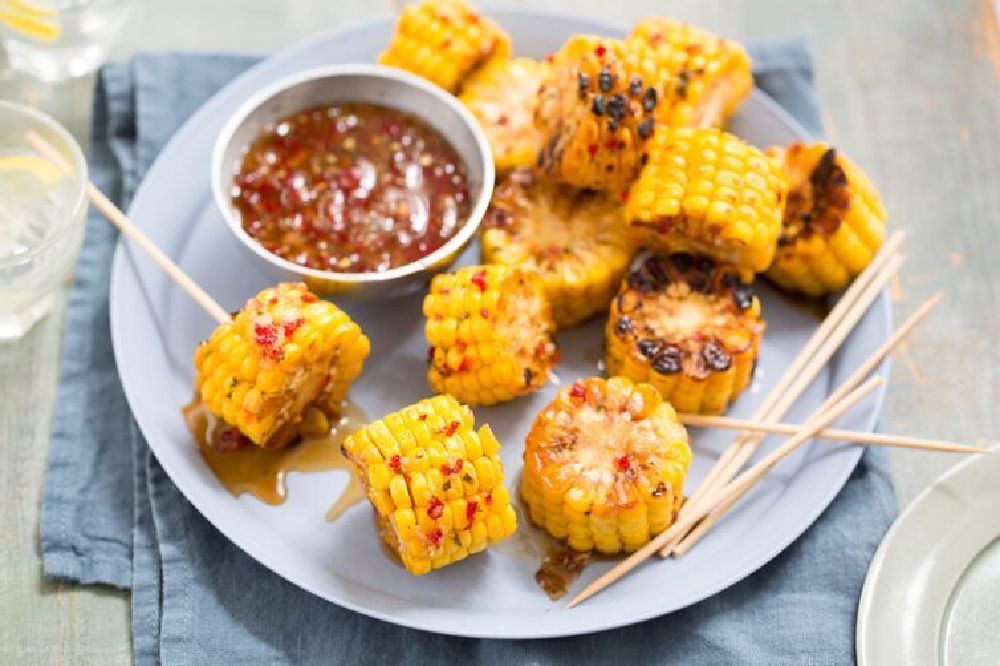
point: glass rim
(81, 174)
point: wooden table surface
(910, 89)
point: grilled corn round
(575, 240)
(435, 482)
(490, 334)
(285, 351)
(596, 112)
(502, 95)
(604, 465)
(703, 78)
(444, 41)
(709, 192)
(689, 327)
(834, 222)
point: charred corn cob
(689, 327)
(502, 95)
(444, 41)
(435, 482)
(574, 239)
(702, 77)
(490, 334)
(604, 465)
(283, 352)
(709, 192)
(834, 221)
(595, 111)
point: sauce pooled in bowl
(351, 188)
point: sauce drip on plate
(351, 188)
(262, 472)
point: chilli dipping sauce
(351, 188)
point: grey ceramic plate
(156, 327)
(932, 596)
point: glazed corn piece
(688, 326)
(502, 95)
(703, 78)
(596, 113)
(285, 352)
(490, 334)
(436, 483)
(575, 240)
(604, 465)
(708, 192)
(444, 41)
(834, 221)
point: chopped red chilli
(351, 188)
(435, 508)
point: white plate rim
(121, 264)
(869, 623)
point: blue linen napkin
(111, 515)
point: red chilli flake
(465, 365)
(435, 508)
(434, 537)
(479, 279)
(484, 313)
(423, 417)
(489, 498)
(265, 336)
(451, 428)
(309, 297)
(599, 50)
(577, 390)
(592, 149)
(395, 463)
(470, 511)
(291, 326)
(623, 196)
(623, 463)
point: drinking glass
(41, 217)
(55, 40)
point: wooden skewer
(803, 369)
(827, 350)
(853, 436)
(732, 492)
(808, 351)
(118, 218)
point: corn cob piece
(604, 465)
(444, 41)
(689, 327)
(596, 112)
(284, 352)
(703, 78)
(502, 95)
(435, 482)
(575, 240)
(708, 192)
(834, 221)
(490, 334)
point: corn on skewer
(730, 494)
(435, 482)
(490, 334)
(834, 222)
(604, 465)
(574, 240)
(444, 41)
(283, 352)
